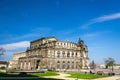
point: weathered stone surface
(51, 53)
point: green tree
(110, 62)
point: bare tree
(2, 51)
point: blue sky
(97, 22)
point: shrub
(2, 67)
(10, 70)
(22, 73)
(100, 73)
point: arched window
(68, 61)
(58, 54)
(63, 53)
(68, 54)
(72, 65)
(58, 64)
(63, 62)
(63, 65)
(68, 66)
(76, 54)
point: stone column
(34, 64)
(29, 65)
(24, 65)
(83, 62)
(21, 65)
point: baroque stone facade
(50, 53)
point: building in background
(3, 64)
(115, 66)
(50, 53)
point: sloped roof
(43, 38)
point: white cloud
(95, 34)
(107, 17)
(88, 35)
(37, 32)
(29, 35)
(34, 33)
(17, 45)
(102, 19)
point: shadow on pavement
(22, 76)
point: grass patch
(2, 70)
(85, 76)
(47, 73)
(26, 75)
